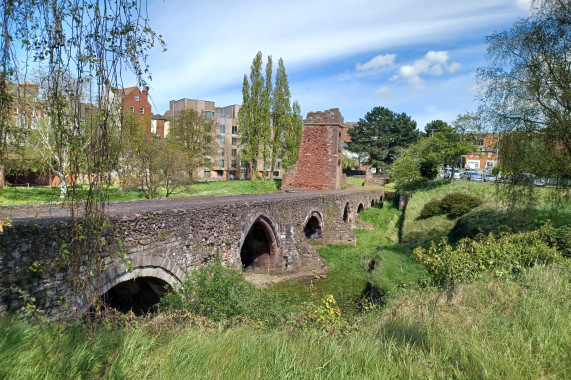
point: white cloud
(378, 61)
(434, 63)
(384, 90)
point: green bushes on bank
(504, 255)
(454, 205)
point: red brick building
(486, 155)
(136, 102)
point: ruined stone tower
(320, 153)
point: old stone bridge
(149, 244)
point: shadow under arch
(348, 214)
(260, 250)
(360, 208)
(137, 288)
(313, 226)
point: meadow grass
(512, 329)
(45, 194)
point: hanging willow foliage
(81, 48)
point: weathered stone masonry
(165, 238)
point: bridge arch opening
(347, 214)
(260, 250)
(372, 202)
(360, 208)
(140, 295)
(313, 226)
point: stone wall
(320, 154)
(164, 239)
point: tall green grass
(514, 329)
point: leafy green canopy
(527, 92)
(380, 135)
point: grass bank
(490, 215)
(514, 329)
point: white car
(457, 173)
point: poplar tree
(266, 127)
(281, 116)
(251, 115)
(271, 129)
(293, 137)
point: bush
(431, 208)
(455, 205)
(560, 238)
(212, 291)
(505, 255)
(458, 204)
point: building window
(142, 111)
(209, 115)
(222, 128)
(233, 163)
(222, 140)
(234, 141)
(207, 174)
(220, 173)
(278, 164)
(232, 174)
(243, 174)
(136, 97)
(221, 163)
(234, 152)
(276, 174)
(221, 152)
(234, 129)
(489, 154)
(131, 108)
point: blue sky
(417, 57)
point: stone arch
(373, 202)
(360, 208)
(313, 225)
(259, 250)
(143, 283)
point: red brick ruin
(320, 154)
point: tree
(254, 116)
(193, 133)
(380, 134)
(271, 127)
(293, 137)
(436, 126)
(282, 121)
(527, 90)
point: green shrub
(560, 238)
(212, 291)
(506, 255)
(455, 205)
(431, 208)
(458, 204)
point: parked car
(489, 177)
(457, 173)
(475, 176)
(447, 173)
(464, 175)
